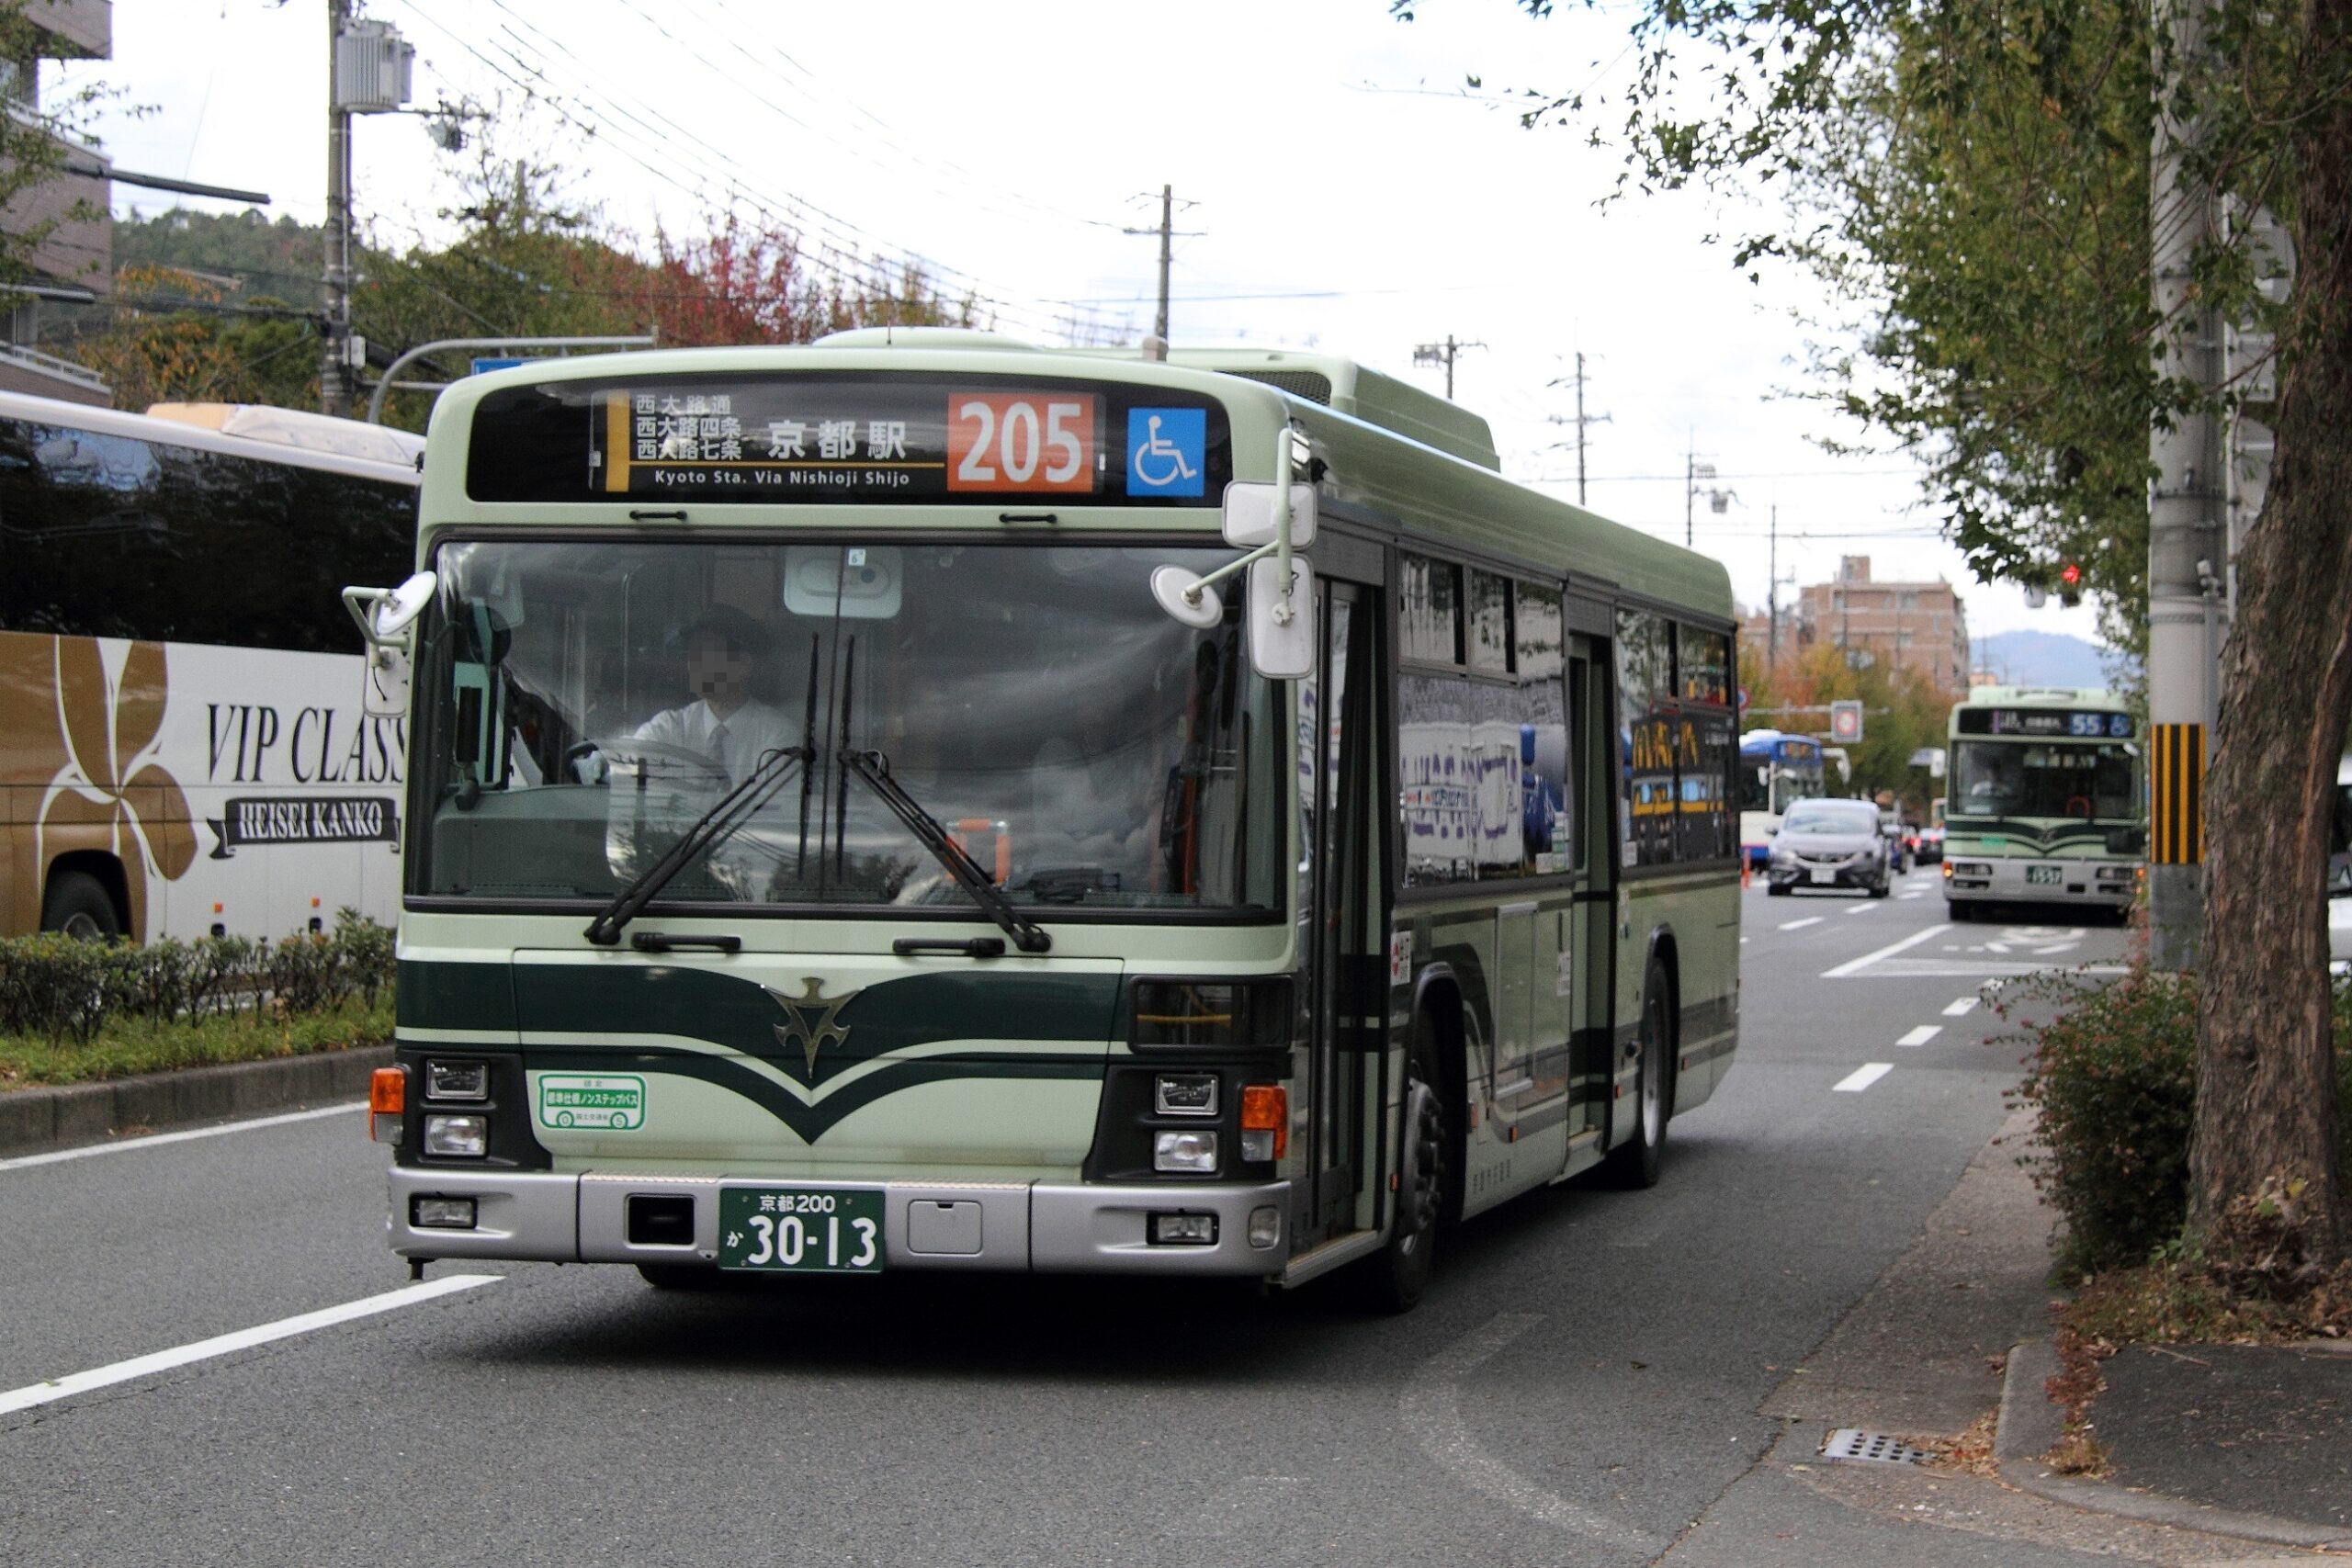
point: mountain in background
(2042, 659)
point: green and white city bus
(2044, 802)
(858, 824)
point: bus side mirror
(2127, 841)
(385, 616)
(1281, 635)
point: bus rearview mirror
(1281, 628)
(1250, 514)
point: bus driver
(726, 651)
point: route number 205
(1020, 441)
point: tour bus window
(1706, 744)
(1645, 716)
(1482, 770)
(1429, 611)
(1537, 631)
(1705, 666)
(1489, 624)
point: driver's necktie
(719, 750)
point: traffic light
(2070, 584)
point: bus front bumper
(1046, 1227)
(2085, 883)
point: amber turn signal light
(387, 1098)
(1265, 1112)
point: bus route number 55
(1020, 442)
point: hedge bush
(56, 988)
(2112, 1076)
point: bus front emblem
(809, 1020)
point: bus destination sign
(830, 438)
(2064, 724)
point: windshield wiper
(731, 810)
(874, 768)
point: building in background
(74, 261)
(1921, 626)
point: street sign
(1743, 699)
(1846, 723)
(483, 366)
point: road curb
(2029, 1425)
(35, 1121)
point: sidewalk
(2253, 1441)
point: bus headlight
(456, 1080)
(457, 1138)
(1191, 1151)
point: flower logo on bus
(101, 794)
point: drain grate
(1852, 1442)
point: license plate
(2036, 876)
(1817, 875)
(799, 1230)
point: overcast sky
(1340, 189)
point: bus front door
(1342, 892)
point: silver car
(1829, 844)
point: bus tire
(1633, 1163)
(681, 1276)
(1393, 1279)
(78, 905)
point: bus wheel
(1395, 1278)
(79, 906)
(681, 1276)
(1634, 1163)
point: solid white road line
(244, 1339)
(59, 1157)
(1867, 959)
(1961, 1008)
(1861, 1077)
(1431, 1407)
(1922, 1035)
(1799, 925)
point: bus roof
(259, 438)
(1776, 742)
(1390, 447)
(298, 428)
(2041, 697)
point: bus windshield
(2055, 779)
(582, 703)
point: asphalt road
(1584, 1383)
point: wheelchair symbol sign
(1167, 451)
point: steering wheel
(2082, 800)
(674, 765)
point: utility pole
(368, 70)
(335, 356)
(1443, 354)
(2185, 523)
(1582, 420)
(1155, 345)
(1772, 600)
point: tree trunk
(2265, 1088)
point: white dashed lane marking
(1964, 1006)
(1861, 1077)
(1921, 1036)
(1799, 925)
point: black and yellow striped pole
(2176, 809)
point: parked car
(1838, 844)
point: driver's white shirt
(736, 742)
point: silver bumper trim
(1010, 1226)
